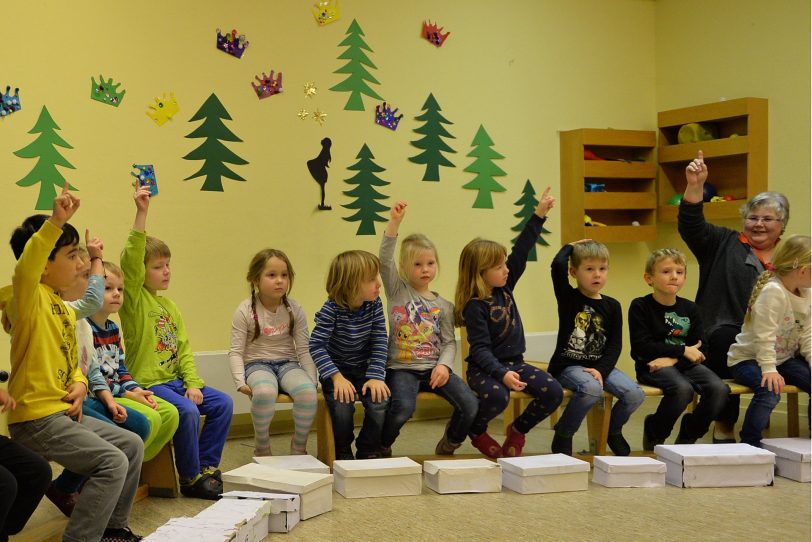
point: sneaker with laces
(66, 502)
(204, 486)
(120, 535)
(213, 472)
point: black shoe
(683, 437)
(561, 444)
(649, 440)
(214, 472)
(618, 444)
(385, 451)
(120, 535)
(368, 455)
(345, 454)
(204, 486)
(724, 440)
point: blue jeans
(405, 385)
(586, 391)
(369, 439)
(678, 392)
(278, 368)
(795, 371)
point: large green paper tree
(214, 153)
(432, 141)
(527, 206)
(485, 169)
(366, 197)
(357, 59)
(45, 172)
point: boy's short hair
(661, 254)
(588, 250)
(156, 249)
(112, 269)
(347, 271)
(30, 226)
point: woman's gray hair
(768, 200)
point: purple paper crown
(10, 104)
(231, 43)
(386, 117)
(268, 86)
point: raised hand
(65, 206)
(141, 197)
(95, 246)
(396, 215)
(546, 202)
(696, 172)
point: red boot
(514, 442)
(487, 445)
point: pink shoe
(487, 445)
(514, 442)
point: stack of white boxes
(302, 463)
(716, 465)
(392, 477)
(544, 473)
(792, 457)
(463, 476)
(227, 520)
(314, 490)
(284, 508)
(613, 471)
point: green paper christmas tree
(214, 153)
(432, 143)
(45, 172)
(485, 169)
(365, 194)
(527, 206)
(357, 59)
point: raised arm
(392, 282)
(517, 260)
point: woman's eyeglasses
(766, 220)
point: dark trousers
(369, 439)
(718, 344)
(24, 477)
(494, 396)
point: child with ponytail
(269, 350)
(773, 347)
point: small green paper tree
(365, 194)
(214, 153)
(433, 131)
(45, 172)
(485, 169)
(527, 206)
(356, 83)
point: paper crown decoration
(232, 43)
(326, 11)
(433, 34)
(268, 86)
(386, 117)
(10, 104)
(163, 109)
(145, 176)
(105, 92)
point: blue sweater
(344, 339)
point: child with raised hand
(484, 304)
(773, 348)
(666, 333)
(161, 360)
(349, 346)
(590, 328)
(49, 387)
(269, 351)
(422, 346)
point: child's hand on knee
(513, 382)
(378, 390)
(439, 376)
(774, 382)
(595, 374)
(343, 390)
(195, 395)
(246, 389)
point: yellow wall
(524, 69)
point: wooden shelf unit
(630, 186)
(737, 160)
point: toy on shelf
(708, 191)
(694, 132)
(231, 43)
(268, 86)
(434, 34)
(594, 187)
(589, 222)
(676, 199)
(10, 104)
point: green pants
(162, 422)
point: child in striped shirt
(349, 347)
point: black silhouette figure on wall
(318, 169)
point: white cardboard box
(392, 477)
(284, 513)
(463, 476)
(613, 471)
(551, 473)
(792, 457)
(315, 490)
(249, 518)
(304, 463)
(184, 529)
(716, 465)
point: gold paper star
(310, 89)
(303, 114)
(319, 116)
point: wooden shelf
(620, 200)
(620, 234)
(604, 169)
(737, 160)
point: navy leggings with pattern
(494, 396)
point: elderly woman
(729, 264)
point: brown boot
(445, 446)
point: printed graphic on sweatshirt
(678, 328)
(68, 346)
(166, 335)
(588, 337)
(500, 316)
(417, 330)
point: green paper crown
(105, 92)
